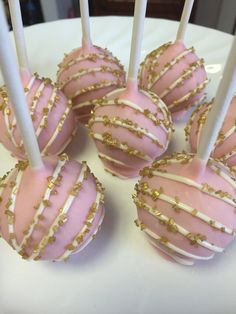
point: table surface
(119, 272)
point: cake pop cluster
(52, 207)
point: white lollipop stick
(84, 11)
(219, 109)
(16, 93)
(137, 36)
(18, 31)
(188, 5)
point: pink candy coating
(87, 74)
(176, 75)
(50, 213)
(130, 128)
(53, 118)
(225, 148)
(182, 208)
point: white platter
(119, 272)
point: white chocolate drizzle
(215, 165)
(205, 188)
(51, 104)
(57, 130)
(69, 140)
(116, 121)
(38, 93)
(200, 121)
(179, 259)
(93, 87)
(229, 154)
(123, 147)
(130, 104)
(115, 174)
(176, 227)
(188, 209)
(153, 79)
(190, 94)
(163, 241)
(226, 177)
(187, 74)
(10, 212)
(27, 90)
(89, 57)
(41, 207)
(63, 212)
(108, 158)
(75, 243)
(85, 104)
(93, 235)
(151, 61)
(227, 134)
(93, 71)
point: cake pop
(186, 202)
(175, 73)
(88, 73)
(131, 127)
(50, 207)
(225, 146)
(51, 112)
(57, 216)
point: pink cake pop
(51, 112)
(186, 203)
(175, 73)
(131, 127)
(88, 73)
(50, 213)
(49, 208)
(225, 146)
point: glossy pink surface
(99, 73)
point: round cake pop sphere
(189, 217)
(49, 214)
(225, 146)
(88, 74)
(176, 75)
(53, 118)
(130, 130)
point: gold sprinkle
(51, 239)
(46, 203)
(70, 247)
(194, 212)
